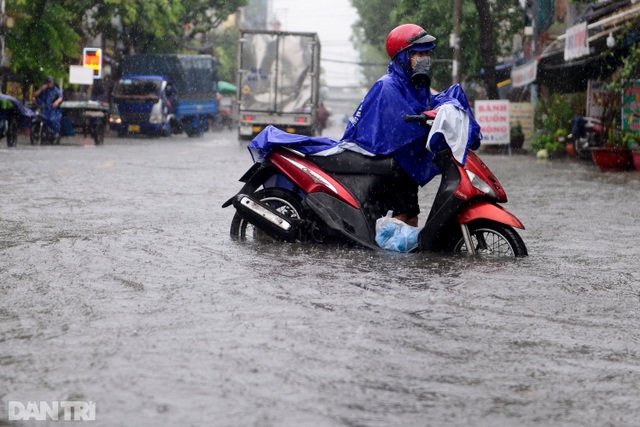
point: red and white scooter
(292, 197)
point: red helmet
(406, 35)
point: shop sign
(576, 42)
(631, 106)
(596, 98)
(493, 118)
(524, 74)
(522, 113)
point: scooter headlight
(481, 185)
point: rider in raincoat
(378, 126)
(49, 98)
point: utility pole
(454, 41)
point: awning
(226, 88)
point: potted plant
(558, 145)
(517, 137)
(555, 148)
(539, 142)
(632, 140)
(614, 155)
(546, 146)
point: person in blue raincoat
(378, 125)
(49, 98)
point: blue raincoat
(378, 124)
(50, 115)
(378, 128)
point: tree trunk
(486, 49)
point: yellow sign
(522, 112)
(92, 58)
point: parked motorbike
(336, 199)
(39, 132)
(586, 133)
(9, 128)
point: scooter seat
(350, 162)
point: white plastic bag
(395, 235)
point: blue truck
(164, 94)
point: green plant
(554, 145)
(544, 141)
(631, 140)
(556, 111)
(539, 141)
(628, 68)
(516, 130)
(560, 135)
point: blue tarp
(24, 114)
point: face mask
(420, 77)
(423, 61)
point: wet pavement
(120, 285)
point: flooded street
(120, 285)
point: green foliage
(378, 17)
(631, 140)
(226, 43)
(627, 69)
(49, 34)
(369, 35)
(539, 141)
(516, 130)
(544, 141)
(43, 41)
(555, 112)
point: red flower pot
(636, 159)
(570, 149)
(611, 159)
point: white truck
(278, 82)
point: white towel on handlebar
(453, 124)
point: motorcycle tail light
(481, 185)
(301, 120)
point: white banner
(576, 42)
(524, 74)
(493, 117)
(80, 75)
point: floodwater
(119, 285)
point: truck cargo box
(193, 76)
(278, 81)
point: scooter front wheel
(284, 201)
(492, 239)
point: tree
(486, 31)
(43, 40)
(48, 34)
(487, 52)
(226, 50)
